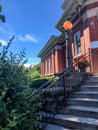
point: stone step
(83, 102)
(81, 111)
(55, 127)
(91, 82)
(92, 95)
(91, 112)
(89, 88)
(93, 77)
(94, 74)
(76, 122)
(85, 85)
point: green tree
(2, 17)
(37, 67)
(16, 112)
(35, 71)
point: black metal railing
(51, 96)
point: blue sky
(32, 22)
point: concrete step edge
(75, 118)
(89, 92)
(81, 108)
(55, 127)
(80, 119)
(83, 99)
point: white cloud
(3, 42)
(27, 38)
(20, 37)
(31, 38)
(6, 33)
(28, 65)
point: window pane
(50, 64)
(77, 43)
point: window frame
(77, 45)
(48, 64)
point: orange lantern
(67, 25)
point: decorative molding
(48, 46)
(53, 50)
(70, 12)
(90, 1)
(90, 13)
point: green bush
(16, 112)
(34, 74)
(36, 83)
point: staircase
(81, 111)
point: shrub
(34, 74)
(16, 112)
(36, 83)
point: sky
(32, 22)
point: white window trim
(75, 43)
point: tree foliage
(35, 71)
(2, 16)
(16, 112)
(37, 67)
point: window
(45, 67)
(50, 64)
(77, 43)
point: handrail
(58, 74)
(59, 90)
(66, 70)
(41, 87)
(46, 85)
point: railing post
(90, 59)
(64, 88)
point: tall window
(45, 67)
(77, 43)
(50, 64)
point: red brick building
(84, 16)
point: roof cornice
(69, 11)
(48, 46)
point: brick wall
(94, 60)
(93, 27)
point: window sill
(77, 55)
(48, 74)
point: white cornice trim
(90, 2)
(57, 47)
(50, 43)
(66, 13)
(90, 13)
